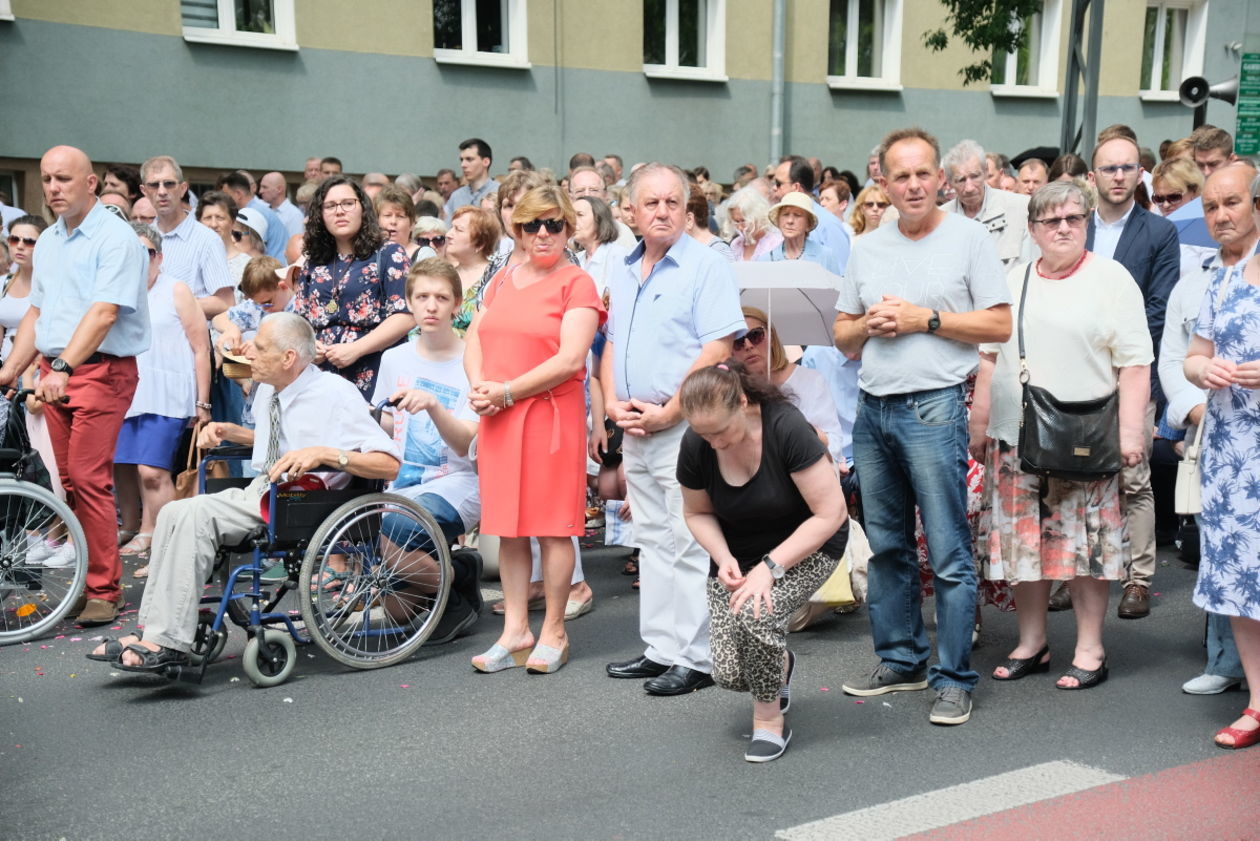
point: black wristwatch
(934, 323)
(776, 571)
(61, 366)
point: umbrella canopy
(798, 296)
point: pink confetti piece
(823, 689)
(1157, 594)
(404, 686)
(859, 702)
(116, 628)
(60, 637)
(76, 639)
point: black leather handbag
(1078, 441)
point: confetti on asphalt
(1157, 594)
(886, 704)
(288, 700)
(859, 702)
(404, 686)
(234, 680)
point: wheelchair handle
(22, 393)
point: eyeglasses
(168, 184)
(152, 252)
(424, 242)
(346, 205)
(875, 205)
(27, 241)
(1074, 220)
(117, 211)
(753, 338)
(1167, 198)
(1117, 169)
(553, 226)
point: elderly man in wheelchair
(308, 420)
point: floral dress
(348, 299)
(1229, 572)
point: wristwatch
(61, 366)
(934, 323)
(343, 459)
(776, 571)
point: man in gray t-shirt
(918, 298)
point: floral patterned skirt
(1034, 529)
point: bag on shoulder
(1078, 441)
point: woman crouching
(762, 497)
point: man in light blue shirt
(88, 318)
(674, 308)
(474, 159)
(274, 190)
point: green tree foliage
(988, 27)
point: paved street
(432, 750)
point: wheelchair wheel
(208, 644)
(43, 561)
(269, 658)
(385, 572)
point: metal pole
(1072, 77)
(776, 81)
(1089, 121)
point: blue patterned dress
(1229, 573)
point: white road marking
(948, 806)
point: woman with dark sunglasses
(525, 355)
(429, 235)
(14, 299)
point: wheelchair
(37, 588)
(371, 572)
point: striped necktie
(273, 442)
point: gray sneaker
(884, 680)
(952, 706)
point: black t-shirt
(759, 515)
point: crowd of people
(547, 341)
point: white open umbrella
(797, 295)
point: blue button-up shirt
(831, 234)
(277, 234)
(659, 326)
(101, 261)
(467, 195)
(813, 252)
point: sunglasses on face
(117, 211)
(27, 241)
(1167, 198)
(164, 185)
(424, 242)
(1052, 223)
(875, 205)
(553, 226)
(753, 338)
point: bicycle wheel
(374, 581)
(43, 560)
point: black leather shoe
(678, 680)
(639, 667)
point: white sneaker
(38, 549)
(64, 556)
(1206, 684)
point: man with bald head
(586, 181)
(92, 271)
(274, 192)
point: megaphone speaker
(1194, 91)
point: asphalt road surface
(432, 750)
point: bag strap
(1192, 452)
(1023, 296)
(193, 450)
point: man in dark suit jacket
(1147, 246)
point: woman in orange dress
(525, 355)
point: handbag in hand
(1078, 441)
(1187, 497)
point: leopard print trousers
(748, 651)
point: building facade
(394, 85)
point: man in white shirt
(273, 190)
(318, 421)
(191, 252)
(1004, 215)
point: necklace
(1071, 271)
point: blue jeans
(1222, 653)
(403, 532)
(912, 448)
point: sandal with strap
(1242, 738)
(1017, 668)
(113, 650)
(330, 582)
(152, 661)
(1085, 679)
(138, 546)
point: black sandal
(113, 651)
(152, 661)
(1017, 668)
(1086, 680)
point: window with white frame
(1172, 46)
(243, 23)
(1032, 69)
(864, 44)
(487, 32)
(685, 39)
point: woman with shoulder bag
(1081, 338)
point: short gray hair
(160, 161)
(962, 153)
(409, 181)
(1255, 187)
(147, 231)
(636, 178)
(429, 225)
(292, 332)
(1056, 194)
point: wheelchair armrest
(228, 451)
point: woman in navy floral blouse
(352, 288)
